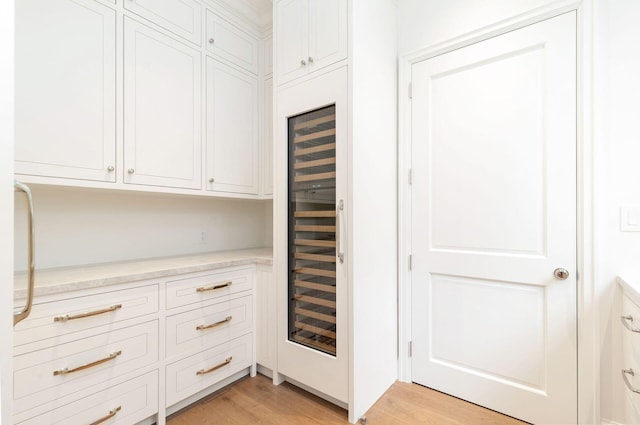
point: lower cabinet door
(190, 375)
(126, 403)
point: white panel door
(162, 109)
(65, 89)
(493, 215)
(292, 33)
(182, 17)
(327, 32)
(232, 129)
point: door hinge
(410, 348)
(410, 176)
(410, 261)
(410, 90)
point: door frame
(587, 313)
(7, 60)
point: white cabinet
(73, 364)
(65, 89)
(630, 374)
(232, 130)
(266, 318)
(162, 104)
(332, 169)
(267, 139)
(310, 34)
(181, 17)
(230, 43)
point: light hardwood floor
(256, 401)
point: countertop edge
(630, 288)
(67, 279)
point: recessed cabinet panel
(182, 17)
(267, 156)
(126, 403)
(65, 89)
(61, 370)
(292, 32)
(268, 56)
(327, 32)
(310, 34)
(231, 43)
(232, 130)
(162, 109)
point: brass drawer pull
(625, 322)
(214, 325)
(87, 314)
(213, 288)
(626, 372)
(216, 367)
(111, 414)
(66, 371)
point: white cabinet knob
(303, 62)
(211, 180)
(211, 41)
(131, 171)
(111, 168)
(310, 59)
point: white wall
(617, 93)
(82, 226)
(425, 23)
(6, 208)
(373, 198)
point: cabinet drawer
(631, 358)
(231, 43)
(208, 286)
(209, 326)
(195, 373)
(57, 318)
(127, 403)
(181, 17)
(54, 372)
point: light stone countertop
(630, 286)
(65, 279)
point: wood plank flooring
(256, 401)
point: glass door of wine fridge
(312, 229)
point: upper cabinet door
(232, 130)
(292, 33)
(65, 84)
(230, 43)
(182, 17)
(327, 32)
(162, 109)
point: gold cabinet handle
(214, 325)
(87, 314)
(110, 415)
(66, 371)
(216, 367)
(213, 288)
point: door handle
(26, 310)
(561, 274)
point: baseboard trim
(607, 422)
